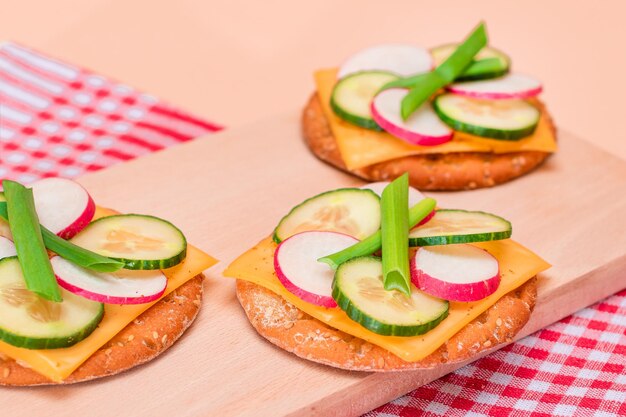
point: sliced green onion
(75, 254)
(464, 54)
(31, 251)
(445, 73)
(394, 228)
(408, 82)
(372, 243)
(420, 94)
(481, 66)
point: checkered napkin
(60, 120)
(576, 367)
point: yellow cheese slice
(58, 364)
(363, 147)
(517, 265)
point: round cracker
(291, 329)
(450, 171)
(151, 334)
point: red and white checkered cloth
(60, 120)
(576, 367)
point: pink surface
(574, 367)
(238, 61)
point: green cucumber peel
(484, 131)
(394, 228)
(31, 251)
(445, 73)
(365, 313)
(373, 243)
(340, 102)
(73, 253)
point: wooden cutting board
(228, 191)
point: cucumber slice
(352, 211)
(352, 97)
(30, 322)
(496, 119)
(141, 242)
(460, 226)
(358, 290)
(476, 72)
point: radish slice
(427, 218)
(297, 268)
(7, 248)
(403, 60)
(123, 287)
(510, 86)
(414, 196)
(455, 272)
(422, 128)
(64, 207)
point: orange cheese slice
(58, 364)
(362, 147)
(517, 265)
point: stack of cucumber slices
(423, 97)
(329, 254)
(58, 267)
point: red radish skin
(106, 299)
(453, 291)
(88, 289)
(81, 222)
(427, 218)
(309, 297)
(64, 206)
(322, 298)
(512, 86)
(422, 128)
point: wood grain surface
(228, 191)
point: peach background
(239, 61)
